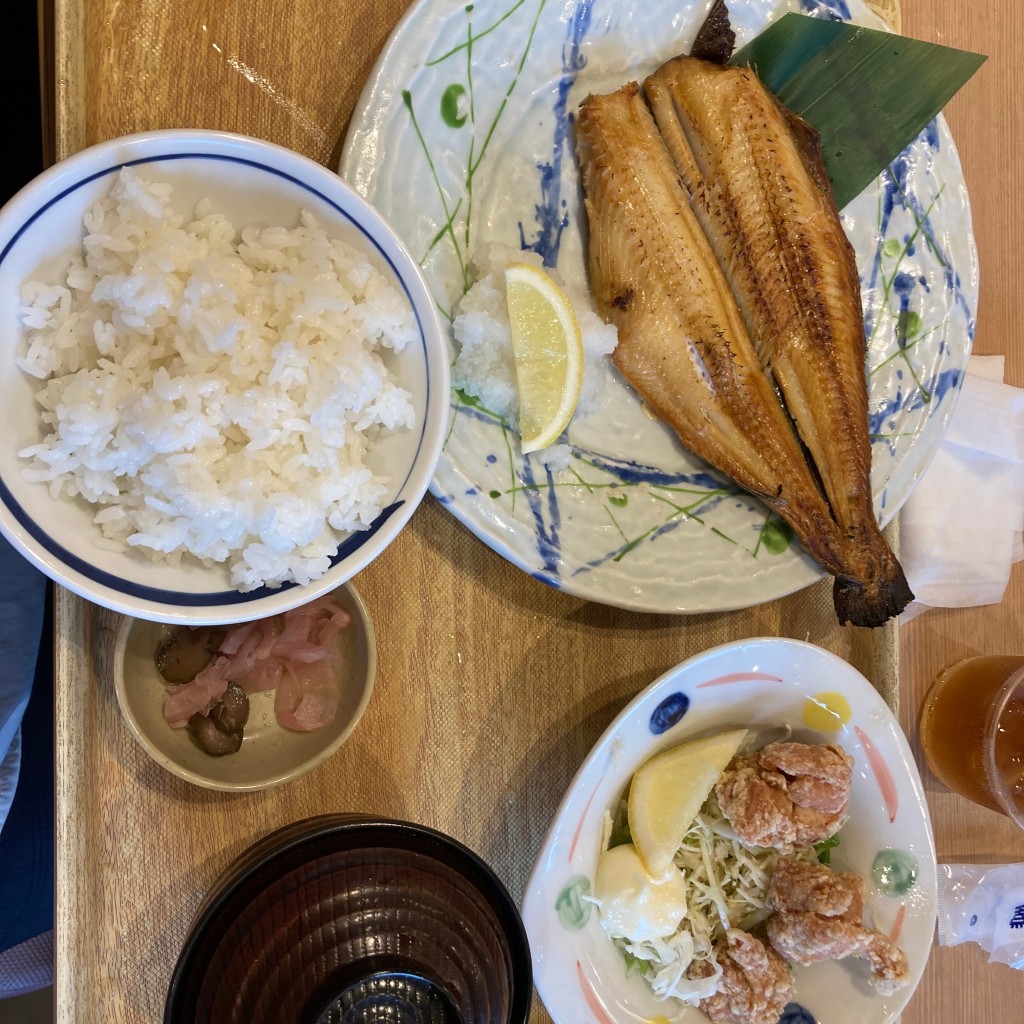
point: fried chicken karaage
(785, 797)
(756, 982)
(786, 794)
(819, 916)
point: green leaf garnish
(634, 965)
(869, 93)
(620, 834)
(824, 849)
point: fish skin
(715, 40)
(682, 342)
(758, 187)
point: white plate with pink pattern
(761, 684)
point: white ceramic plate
(480, 137)
(582, 977)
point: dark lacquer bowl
(344, 919)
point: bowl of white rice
(227, 383)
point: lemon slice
(548, 354)
(667, 792)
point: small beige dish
(270, 754)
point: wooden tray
(491, 687)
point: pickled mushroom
(186, 652)
(220, 730)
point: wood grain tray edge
(84, 636)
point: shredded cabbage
(726, 887)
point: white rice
(215, 392)
(484, 366)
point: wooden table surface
(959, 985)
(471, 648)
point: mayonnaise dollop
(634, 905)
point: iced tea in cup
(972, 731)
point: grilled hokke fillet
(694, 356)
(757, 184)
(682, 341)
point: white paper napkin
(960, 530)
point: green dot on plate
(573, 912)
(453, 106)
(894, 872)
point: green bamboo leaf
(868, 93)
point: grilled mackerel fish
(757, 185)
(662, 274)
(682, 341)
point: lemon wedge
(548, 354)
(667, 792)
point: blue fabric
(22, 597)
(26, 668)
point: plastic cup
(972, 731)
